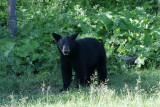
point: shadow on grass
(148, 80)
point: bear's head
(65, 43)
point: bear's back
(91, 49)
(90, 44)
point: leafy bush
(29, 55)
(124, 31)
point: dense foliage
(126, 28)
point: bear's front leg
(66, 75)
(80, 75)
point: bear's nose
(66, 51)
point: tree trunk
(12, 18)
(158, 9)
(158, 5)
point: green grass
(133, 88)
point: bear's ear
(56, 36)
(74, 36)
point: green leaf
(9, 45)
(120, 48)
(35, 56)
(147, 39)
(106, 20)
(140, 61)
(156, 34)
(116, 32)
(6, 53)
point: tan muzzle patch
(65, 50)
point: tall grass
(123, 92)
(95, 97)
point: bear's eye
(60, 44)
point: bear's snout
(65, 50)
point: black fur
(83, 56)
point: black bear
(83, 56)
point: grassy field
(131, 89)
